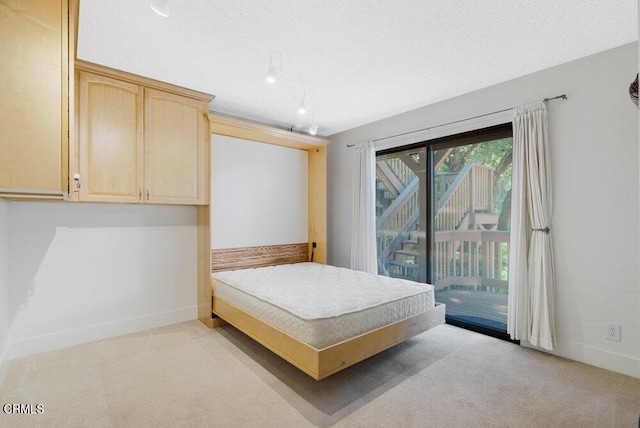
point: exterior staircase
(467, 242)
(404, 262)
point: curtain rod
(563, 96)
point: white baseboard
(604, 359)
(620, 363)
(50, 342)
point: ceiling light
(271, 74)
(313, 130)
(161, 7)
(302, 109)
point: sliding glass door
(443, 217)
(401, 198)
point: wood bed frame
(317, 363)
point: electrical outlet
(613, 331)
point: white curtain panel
(530, 314)
(363, 235)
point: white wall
(4, 285)
(83, 272)
(258, 194)
(594, 150)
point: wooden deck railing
(401, 209)
(471, 191)
(441, 183)
(401, 170)
(471, 258)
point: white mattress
(319, 304)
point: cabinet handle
(147, 195)
(140, 194)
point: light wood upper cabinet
(139, 144)
(34, 86)
(174, 148)
(110, 143)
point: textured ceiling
(356, 60)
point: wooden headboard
(252, 257)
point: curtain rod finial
(563, 96)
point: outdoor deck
(474, 304)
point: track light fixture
(302, 109)
(305, 108)
(161, 7)
(271, 73)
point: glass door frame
(426, 202)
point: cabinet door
(174, 149)
(110, 144)
(33, 95)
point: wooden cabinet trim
(232, 127)
(143, 81)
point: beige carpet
(186, 375)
